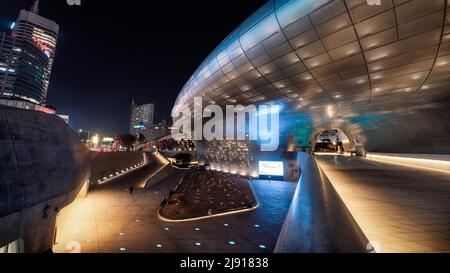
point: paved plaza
(111, 220)
(402, 209)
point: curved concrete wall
(318, 221)
(104, 164)
(43, 166)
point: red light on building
(46, 110)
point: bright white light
(271, 168)
(95, 139)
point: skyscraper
(26, 57)
(141, 117)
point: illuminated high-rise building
(26, 57)
(141, 117)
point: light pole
(88, 134)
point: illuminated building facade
(141, 118)
(26, 58)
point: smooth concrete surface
(318, 221)
(43, 166)
(104, 164)
(112, 220)
(399, 209)
(163, 170)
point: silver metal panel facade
(380, 73)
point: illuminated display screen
(139, 126)
(271, 168)
(43, 46)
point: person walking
(131, 189)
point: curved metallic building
(379, 73)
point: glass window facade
(26, 58)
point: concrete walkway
(110, 220)
(401, 209)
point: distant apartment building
(141, 118)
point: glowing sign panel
(44, 47)
(271, 168)
(139, 126)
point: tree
(141, 138)
(128, 140)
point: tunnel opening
(334, 141)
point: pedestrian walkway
(401, 209)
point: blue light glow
(271, 168)
(13, 25)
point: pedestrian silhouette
(131, 189)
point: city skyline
(219, 128)
(93, 82)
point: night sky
(110, 51)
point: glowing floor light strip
(124, 171)
(422, 163)
(209, 216)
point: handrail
(318, 220)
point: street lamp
(81, 131)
